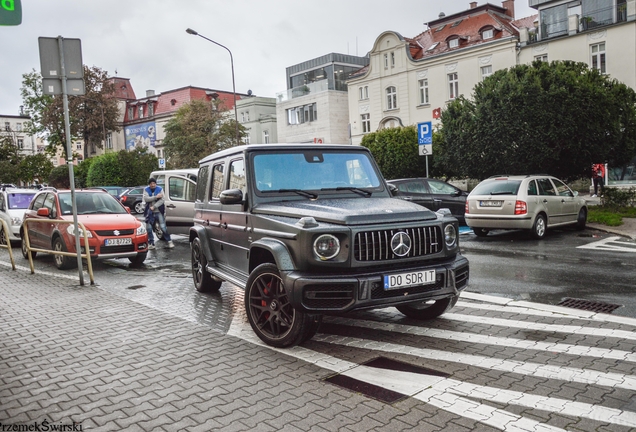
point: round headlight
(450, 235)
(326, 246)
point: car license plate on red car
(490, 203)
(409, 279)
(118, 241)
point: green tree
(35, 167)
(91, 116)
(556, 118)
(197, 130)
(123, 168)
(59, 177)
(9, 160)
(80, 173)
(396, 152)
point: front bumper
(344, 293)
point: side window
(49, 203)
(161, 180)
(2, 202)
(438, 187)
(202, 184)
(532, 188)
(416, 187)
(562, 189)
(218, 182)
(38, 202)
(237, 175)
(545, 187)
(181, 189)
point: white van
(179, 187)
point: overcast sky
(146, 41)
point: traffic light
(10, 12)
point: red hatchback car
(112, 231)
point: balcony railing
(304, 90)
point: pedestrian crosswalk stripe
(611, 243)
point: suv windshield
(90, 203)
(497, 187)
(314, 170)
(19, 200)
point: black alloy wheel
(480, 232)
(203, 280)
(581, 220)
(270, 313)
(139, 207)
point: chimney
(150, 93)
(473, 5)
(509, 6)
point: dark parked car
(115, 191)
(432, 194)
(133, 199)
(313, 229)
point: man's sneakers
(170, 245)
(151, 246)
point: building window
(486, 71)
(302, 114)
(487, 34)
(266, 137)
(7, 126)
(109, 141)
(386, 61)
(453, 43)
(140, 111)
(18, 127)
(151, 109)
(598, 57)
(423, 91)
(246, 138)
(366, 123)
(159, 154)
(364, 92)
(392, 59)
(453, 86)
(391, 98)
(78, 146)
(554, 21)
(242, 117)
(247, 116)
(543, 58)
(131, 113)
(20, 143)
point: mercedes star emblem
(401, 244)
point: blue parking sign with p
(425, 133)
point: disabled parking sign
(425, 138)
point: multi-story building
(143, 119)
(315, 106)
(258, 116)
(14, 126)
(409, 80)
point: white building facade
(258, 116)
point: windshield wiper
(297, 191)
(363, 192)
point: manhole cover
(592, 306)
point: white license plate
(118, 241)
(409, 279)
(490, 203)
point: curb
(611, 230)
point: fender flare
(279, 251)
(197, 231)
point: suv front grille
(110, 233)
(376, 245)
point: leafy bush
(396, 152)
(124, 168)
(617, 197)
(58, 178)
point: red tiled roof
(467, 28)
(123, 88)
(171, 100)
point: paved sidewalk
(112, 357)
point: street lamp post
(193, 32)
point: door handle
(437, 200)
(171, 206)
(563, 201)
(224, 225)
(545, 201)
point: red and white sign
(318, 140)
(437, 113)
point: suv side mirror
(231, 196)
(43, 211)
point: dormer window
(432, 47)
(488, 34)
(453, 43)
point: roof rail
(499, 175)
(95, 188)
(51, 188)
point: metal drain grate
(592, 306)
(376, 392)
